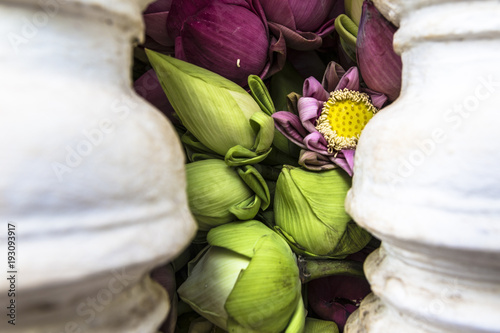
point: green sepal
(314, 325)
(348, 32)
(298, 321)
(252, 177)
(263, 127)
(195, 150)
(239, 155)
(246, 209)
(260, 94)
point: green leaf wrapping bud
(221, 114)
(247, 280)
(348, 32)
(320, 326)
(310, 214)
(219, 194)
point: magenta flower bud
(302, 23)
(379, 65)
(148, 87)
(230, 38)
(155, 21)
(335, 297)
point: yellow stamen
(343, 117)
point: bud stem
(311, 269)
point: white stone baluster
(427, 175)
(91, 176)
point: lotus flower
(309, 212)
(302, 23)
(219, 194)
(247, 280)
(218, 112)
(379, 65)
(230, 38)
(155, 21)
(327, 120)
(336, 297)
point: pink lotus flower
(230, 38)
(329, 118)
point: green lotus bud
(310, 214)
(246, 280)
(218, 193)
(217, 111)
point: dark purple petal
(332, 76)
(297, 40)
(158, 6)
(229, 40)
(309, 110)
(380, 66)
(150, 89)
(312, 88)
(309, 15)
(336, 297)
(279, 11)
(350, 80)
(289, 125)
(156, 28)
(314, 161)
(316, 142)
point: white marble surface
(426, 178)
(91, 175)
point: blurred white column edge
(92, 183)
(426, 179)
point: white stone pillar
(91, 176)
(427, 175)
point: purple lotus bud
(165, 276)
(155, 21)
(336, 297)
(230, 38)
(148, 87)
(380, 66)
(302, 23)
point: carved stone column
(427, 176)
(91, 176)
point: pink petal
(350, 80)
(345, 160)
(289, 125)
(316, 142)
(309, 109)
(312, 88)
(378, 99)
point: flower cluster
(269, 99)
